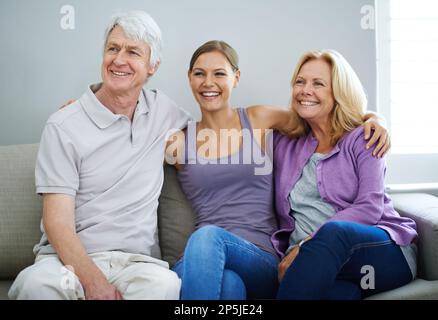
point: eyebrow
(134, 48)
(314, 79)
(219, 69)
(113, 44)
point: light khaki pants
(136, 276)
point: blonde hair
(349, 95)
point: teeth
(120, 73)
(210, 94)
(308, 103)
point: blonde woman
(334, 216)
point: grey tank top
(231, 195)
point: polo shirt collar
(149, 97)
(142, 105)
(101, 115)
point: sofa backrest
(176, 219)
(423, 208)
(21, 209)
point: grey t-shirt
(111, 166)
(309, 210)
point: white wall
(42, 65)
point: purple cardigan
(350, 179)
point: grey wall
(42, 65)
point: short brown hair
(220, 46)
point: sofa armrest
(423, 209)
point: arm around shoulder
(270, 117)
(377, 133)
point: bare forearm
(71, 252)
(58, 219)
(374, 116)
(269, 117)
(369, 115)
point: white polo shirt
(113, 168)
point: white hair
(138, 25)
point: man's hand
(287, 261)
(379, 134)
(67, 103)
(101, 289)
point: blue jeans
(220, 265)
(337, 262)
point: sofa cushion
(20, 209)
(4, 288)
(176, 219)
(418, 289)
(423, 208)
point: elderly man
(99, 169)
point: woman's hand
(67, 103)
(378, 133)
(286, 262)
(289, 258)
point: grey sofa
(20, 215)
